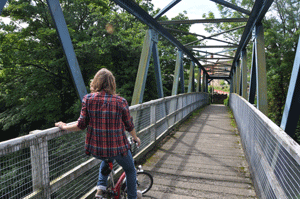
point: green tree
(36, 88)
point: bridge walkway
(203, 158)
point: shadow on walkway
(202, 159)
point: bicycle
(119, 190)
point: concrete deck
(202, 159)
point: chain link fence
(273, 157)
(52, 163)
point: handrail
(273, 156)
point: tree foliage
(36, 88)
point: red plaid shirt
(106, 118)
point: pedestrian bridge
(208, 157)
(204, 159)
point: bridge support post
(198, 89)
(203, 83)
(206, 83)
(291, 112)
(252, 78)
(234, 80)
(244, 75)
(2, 4)
(140, 81)
(238, 77)
(177, 72)
(157, 65)
(261, 73)
(63, 33)
(191, 86)
(150, 46)
(40, 167)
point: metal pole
(191, 77)
(238, 77)
(252, 88)
(291, 110)
(157, 70)
(63, 33)
(244, 74)
(176, 73)
(261, 74)
(2, 4)
(140, 81)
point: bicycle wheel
(144, 181)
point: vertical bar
(234, 80)
(291, 112)
(153, 121)
(40, 166)
(203, 83)
(176, 73)
(2, 4)
(157, 66)
(206, 83)
(261, 73)
(244, 74)
(166, 9)
(191, 77)
(63, 33)
(252, 88)
(198, 89)
(231, 84)
(238, 76)
(181, 77)
(140, 81)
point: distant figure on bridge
(106, 117)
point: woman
(106, 117)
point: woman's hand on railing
(65, 127)
(61, 125)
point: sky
(195, 9)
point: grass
(232, 120)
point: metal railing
(52, 163)
(273, 157)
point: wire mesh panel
(273, 156)
(142, 119)
(78, 187)
(52, 163)
(66, 152)
(15, 179)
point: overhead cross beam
(214, 46)
(2, 4)
(204, 37)
(218, 54)
(214, 35)
(142, 15)
(166, 9)
(229, 5)
(222, 20)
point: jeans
(128, 166)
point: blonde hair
(103, 80)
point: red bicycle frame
(115, 190)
